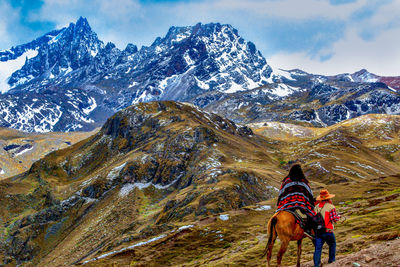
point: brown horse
(283, 225)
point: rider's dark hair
(296, 173)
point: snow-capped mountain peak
(68, 80)
(217, 56)
(56, 53)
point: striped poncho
(296, 194)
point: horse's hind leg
(270, 246)
(298, 252)
(282, 250)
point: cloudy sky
(318, 36)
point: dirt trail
(377, 255)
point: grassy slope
(43, 144)
(371, 209)
(370, 203)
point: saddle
(302, 220)
(300, 217)
(307, 223)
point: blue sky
(319, 36)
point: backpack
(319, 224)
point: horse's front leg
(298, 252)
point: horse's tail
(271, 229)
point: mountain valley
(190, 187)
(173, 154)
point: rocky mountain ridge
(69, 80)
(84, 82)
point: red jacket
(328, 212)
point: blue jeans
(329, 238)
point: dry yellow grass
(13, 163)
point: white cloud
(109, 19)
(8, 18)
(293, 9)
(381, 56)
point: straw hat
(324, 195)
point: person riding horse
(295, 193)
(287, 224)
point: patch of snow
(88, 181)
(127, 188)
(158, 49)
(234, 88)
(278, 73)
(319, 79)
(93, 105)
(318, 119)
(350, 77)
(142, 98)
(347, 170)
(317, 154)
(66, 70)
(23, 151)
(55, 38)
(7, 68)
(283, 90)
(132, 84)
(319, 166)
(264, 207)
(202, 84)
(89, 200)
(93, 53)
(167, 81)
(187, 58)
(224, 217)
(142, 243)
(115, 172)
(366, 167)
(180, 37)
(185, 227)
(273, 187)
(167, 185)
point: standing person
(328, 211)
